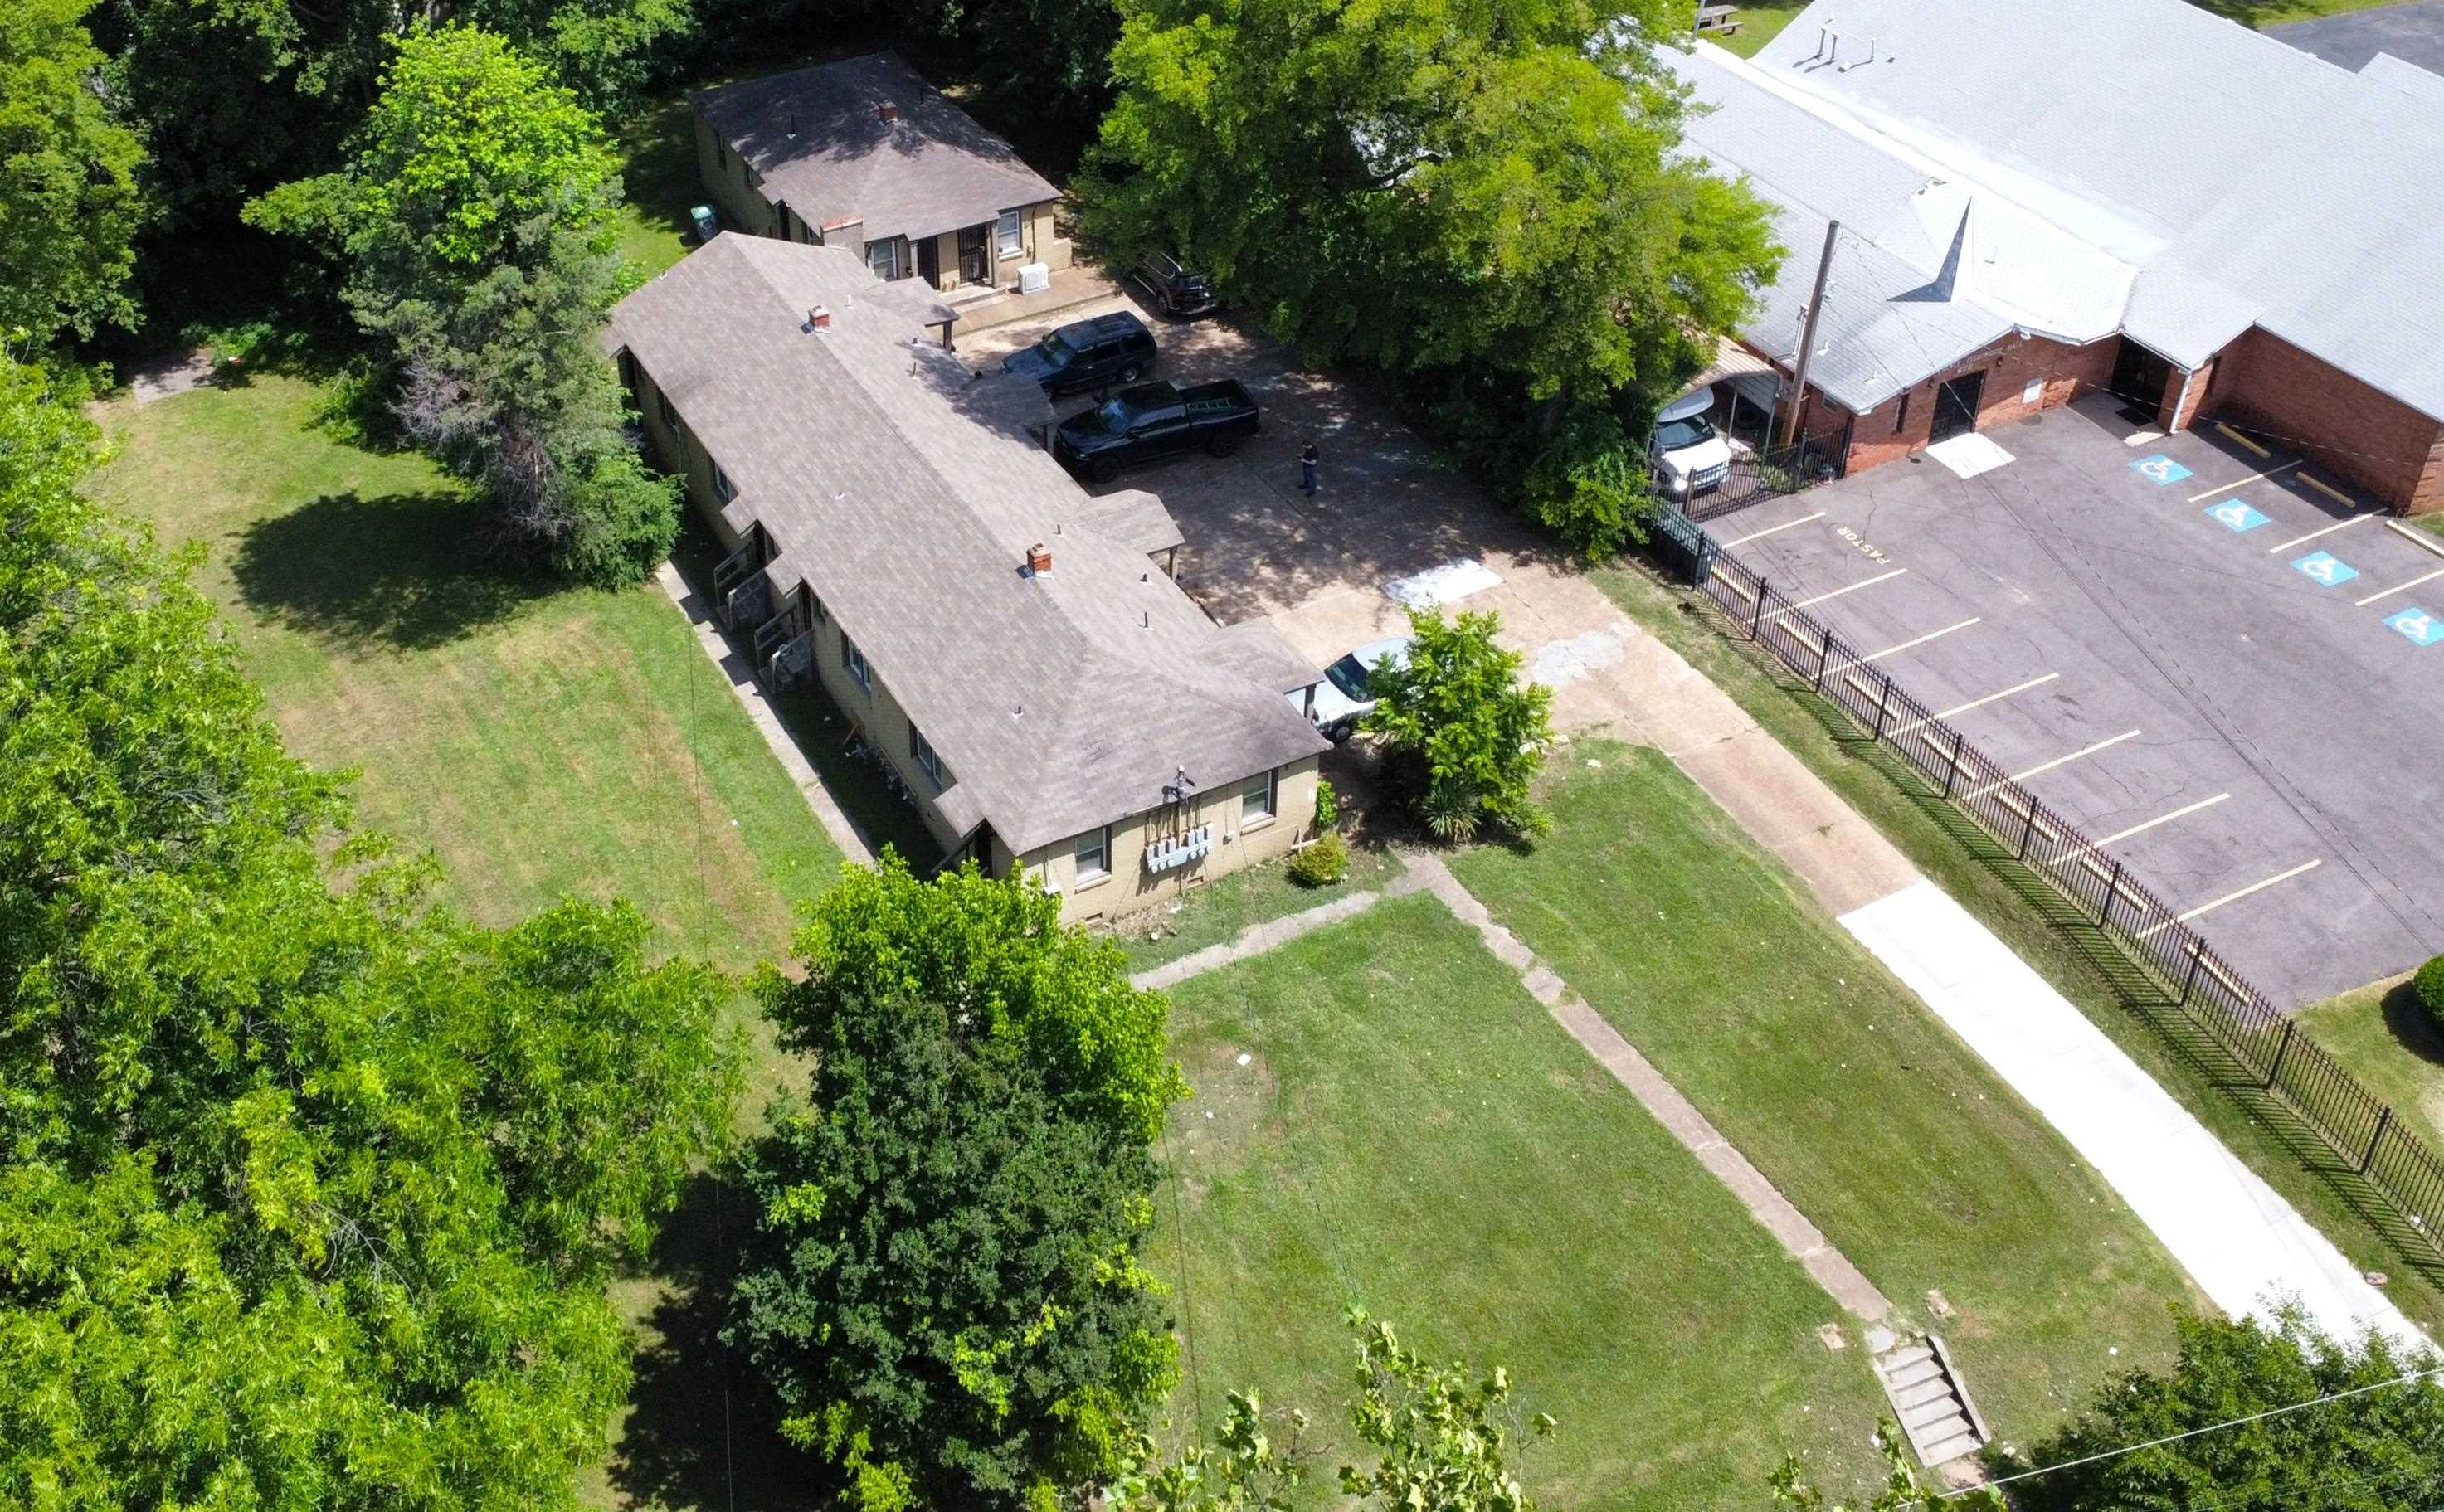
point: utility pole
(1807, 334)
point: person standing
(1308, 458)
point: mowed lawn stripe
(1414, 1133)
(1846, 1093)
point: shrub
(626, 518)
(2429, 986)
(1328, 807)
(1463, 734)
(1323, 863)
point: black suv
(1091, 354)
(1175, 290)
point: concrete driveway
(2413, 32)
(1389, 509)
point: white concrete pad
(1437, 586)
(2236, 1236)
(1969, 453)
(1559, 663)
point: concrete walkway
(1257, 938)
(2237, 1238)
(853, 841)
(1806, 1242)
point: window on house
(1256, 801)
(1900, 416)
(720, 154)
(1094, 853)
(925, 758)
(884, 257)
(1006, 234)
(669, 412)
(854, 660)
(722, 488)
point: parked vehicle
(1343, 697)
(1087, 355)
(1176, 291)
(707, 228)
(1691, 456)
(1155, 420)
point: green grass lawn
(657, 146)
(2383, 1035)
(1413, 1132)
(2060, 942)
(1217, 911)
(1916, 1160)
(1759, 25)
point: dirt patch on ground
(1233, 1093)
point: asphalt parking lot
(2228, 674)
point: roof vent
(793, 124)
(885, 111)
(1868, 58)
(1039, 558)
(819, 318)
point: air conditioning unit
(1034, 278)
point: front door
(975, 264)
(1955, 406)
(2140, 378)
(929, 261)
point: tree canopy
(69, 204)
(943, 1285)
(307, 1191)
(1483, 195)
(1467, 735)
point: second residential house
(866, 155)
(1015, 650)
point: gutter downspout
(2188, 377)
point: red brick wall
(2061, 372)
(2182, 399)
(2378, 443)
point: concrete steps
(1935, 1413)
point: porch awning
(1732, 360)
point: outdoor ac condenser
(1033, 278)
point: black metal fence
(1756, 476)
(2213, 998)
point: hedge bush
(2429, 986)
(1323, 863)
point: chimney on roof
(885, 112)
(1039, 558)
(819, 318)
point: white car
(1691, 456)
(1342, 699)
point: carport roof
(893, 481)
(2248, 183)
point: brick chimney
(1039, 558)
(885, 111)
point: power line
(2211, 1427)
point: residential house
(2133, 197)
(1015, 650)
(864, 154)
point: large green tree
(69, 207)
(942, 1285)
(473, 221)
(307, 1192)
(1484, 194)
(1466, 735)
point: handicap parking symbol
(2326, 567)
(2421, 627)
(2161, 470)
(2235, 515)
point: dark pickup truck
(1156, 420)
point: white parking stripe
(2060, 760)
(1759, 535)
(2324, 530)
(2430, 577)
(1978, 703)
(1879, 655)
(2227, 487)
(2163, 819)
(1863, 582)
(2234, 897)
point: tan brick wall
(1130, 887)
(2378, 443)
(2021, 377)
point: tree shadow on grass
(402, 571)
(701, 1430)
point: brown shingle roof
(818, 138)
(894, 480)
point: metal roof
(905, 491)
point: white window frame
(858, 668)
(890, 246)
(928, 760)
(722, 488)
(1272, 799)
(1009, 233)
(1102, 850)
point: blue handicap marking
(2161, 470)
(2421, 627)
(2326, 567)
(2235, 515)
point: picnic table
(1720, 19)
